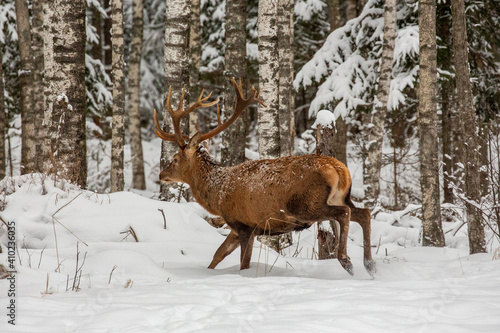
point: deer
(262, 197)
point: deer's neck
(207, 181)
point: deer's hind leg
(342, 214)
(363, 217)
(230, 244)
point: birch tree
(134, 100)
(28, 150)
(234, 138)
(432, 234)
(268, 118)
(275, 30)
(469, 127)
(3, 122)
(176, 66)
(195, 60)
(377, 129)
(117, 128)
(64, 90)
(286, 96)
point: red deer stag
(263, 197)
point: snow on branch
(347, 64)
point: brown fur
(270, 197)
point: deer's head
(183, 163)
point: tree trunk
(327, 240)
(351, 10)
(446, 135)
(286, 104)
(340, 143)
(107, 44)
(195, 61)
(483, 159)
(38, 69)
(97, 24)
(268, 118)
(3, 123)
(64, 61)
(465, 101)
(378, 116)
(134, 100)
(176, 65)
(234, 138)
(118, 127)
(273, 42)
(427, 123)
(28, 139)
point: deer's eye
(176, 160)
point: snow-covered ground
(161, 283)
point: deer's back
(282, 194)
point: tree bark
(176, 65)
(107, 44)
(118, 126)
(446, 134)
(483, 159)
(134, 100)
(286, 96)
(327, 240)
(195, 60)
(3, 123)
(234, 138)
(64, 117)
(470, 140)
(38, 69)
(97, 24)
(378, 116)
(351, 10)
(268, 118)
(340, 142)
(427, 123)
(28, 139)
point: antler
(241, 104)
(178, 114)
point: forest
(102, 99)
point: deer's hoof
(346, 263)
(370, 266)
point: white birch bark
(176, 66)
(195, 60)
(268, 118)
(377, 129)
(134, 100)
(286, 92)
(432, 233)
(3, 124)
(118, 126)
(64, 89)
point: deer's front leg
(227, 247)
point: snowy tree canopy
(347, 64)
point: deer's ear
(194, 141)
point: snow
(161, 283)
(325, 118)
